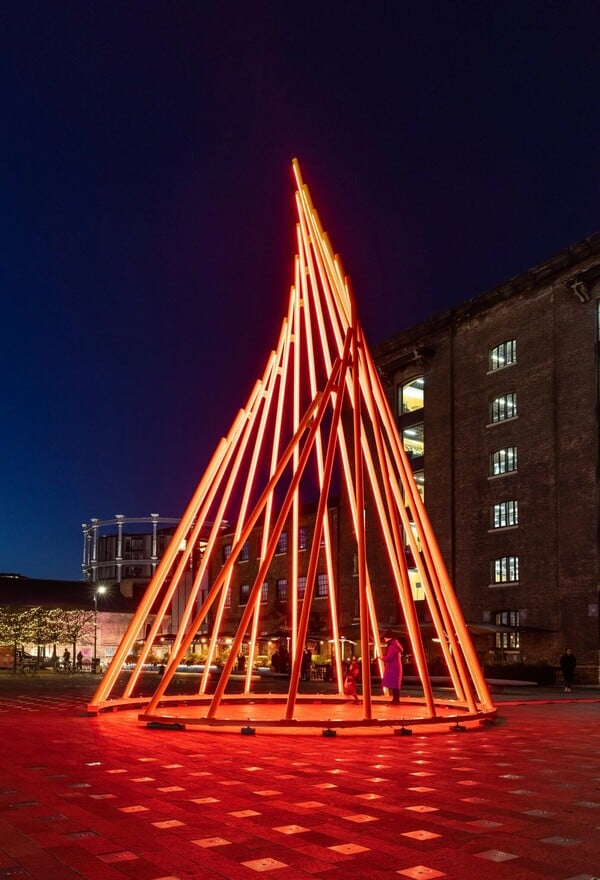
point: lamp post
(97, 592)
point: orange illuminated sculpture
(316, 420)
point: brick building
(276, 590)
(497, 402)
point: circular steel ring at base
(310, 714)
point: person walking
(392, 673)
(306, 667)
(568, 664)
(351, 680)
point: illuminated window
(507, 640)
(282, 543)
(505, 514)
(411, 396)
(505, 570)
(226, 552)
(264, 592)
(281, 590)
(244, 594)
(503, 355)
(503, 407)
(228, 598)
(322, 585)
(302, 538)
(244, 553)
(503, 461)
(301, 587)
(413, 440)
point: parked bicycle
(27, 667)
(63, 666)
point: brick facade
(551, 314)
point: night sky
(148, 215)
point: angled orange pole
(250, 523)
(108, 681)
(308, 336)
(336, 323)
(209, 496)
(360, 519)
(445, 596)
(322, 401)
(320, 520)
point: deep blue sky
(148, 220)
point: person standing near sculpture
(568, 664)
(351, 680)
(392, 673)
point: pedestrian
(392, 659)
(351, 680)
(66, 659)
(568, 664)
(306, 663)
(79, 661)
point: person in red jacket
(351, 679)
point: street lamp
(98, 592)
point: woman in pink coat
(392, 673)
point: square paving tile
(349, 849)
(265, 864)
(420, 834)
(496, 855)
(421, 872)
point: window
(322, 585)
(228, 598)
(503, 461)
(226, 552)
(506, 618)
(411, 396)
(503, 407)
(282, 543)
(505, 570)
(281, 590)
(413, 440)
(302, 538)
(244, 553)
(244, 594)
(301, 587)
(508, 640)
(264, 592)
(503, 355)
(505, 514)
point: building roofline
(572, 257)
